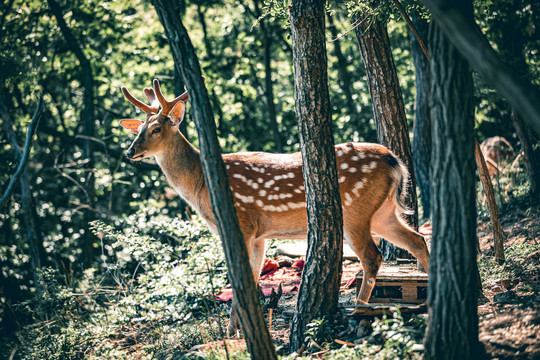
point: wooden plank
(379, 309)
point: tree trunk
(472, 44)
(452, 297)
(248, 307)
(318, 294)
(87, 80)
(422, 121)
(530, 157)
(346, 86)
(388, 108)
(268, 83)
(498, 234)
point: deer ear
(131, 124)
(177, 113)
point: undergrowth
(151, 296)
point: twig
(413, 29)
(358, 23)
(27, 146)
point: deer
(269, 193)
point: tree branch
(27, 146)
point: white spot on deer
(277, 177)
(362, 155)
(236, 163)
(255, 185)
(259, 203)
(260, 180)
(240, 176)
(353, 170)
(354, 158)
(269, 207)
(372, 165)
(228, 166)
(262, 193)
(365, 169)
(341, 180)
(249, 182)
(284, 207)
(296, 205)
(262, 170)
(357, 187)
(276, 188)
(340, 152)
(298, 191)
(291, 175)
(344, 166)
(269, 183)
(302, 187)
(246, 199)
(348, 198)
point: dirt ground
(509, 320)
(509, 314)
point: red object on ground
(299, 264)
(289, 277)
(269, 265)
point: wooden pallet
(380, 309)
(397, 284)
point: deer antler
(149, 110)
(167, 106)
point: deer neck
(181, 164)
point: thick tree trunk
(452, 297)
(472, 44)
(258, 339)
(388, 108)
(422, 121)
(87, 80)
(318, 294)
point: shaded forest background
(77, 55)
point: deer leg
(389, 225)
(371, 259)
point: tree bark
(498, 234)
(249, 309)
(452, 297)
(421, 146)
(388, 108)
(472, 44)
(87, 80)
(318, 294)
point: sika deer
(269, 190)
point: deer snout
(130, 152)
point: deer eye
(155, 131)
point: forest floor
(509, 318)
(509, 312)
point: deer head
(154, 133)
